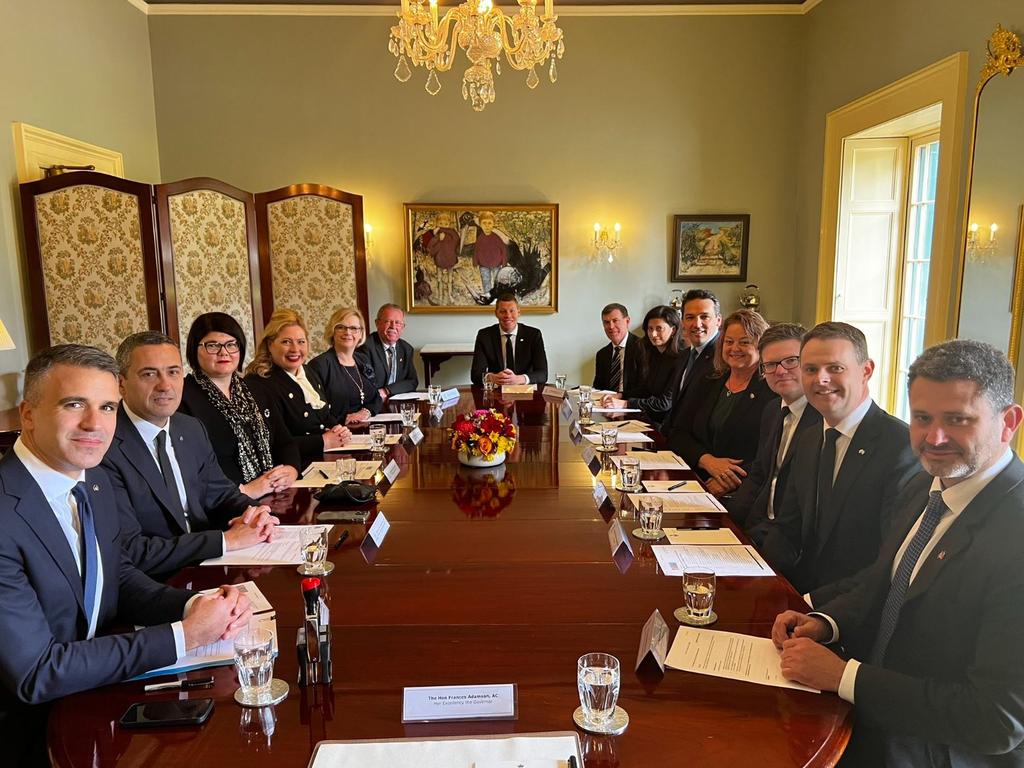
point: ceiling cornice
(232, 9)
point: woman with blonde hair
(347, 374)
(278, 370)
(721, 422)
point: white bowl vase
(480, 461)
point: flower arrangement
(483, 492)
(486, 434)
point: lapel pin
(751, 395)
(861, 451)
(95, 487)
(942, 555)
(290, 395)
(181, 438)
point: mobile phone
(343, 516)
(154, 714)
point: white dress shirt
(956, 498)
(309, 393)
(56, 488)
(796, 412)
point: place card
(518, 389)
(379, 529)
(566, 410)
(622, 550)
(653, 641)
(450, 394)
(600, 494)
(416, 436)
(427, 704)
(391, 471)
(550, 391)
(575, 434)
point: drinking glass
(597, 678)
(629, 473)
(560, 380)
(698, 597)
(434, 395)
(586, 411)
(488, 386)
(345, 469)
(254, 663)
(585, 390)
(609, 438)
(409, 411)
(314, 551)
(649, 513)
(378, 433)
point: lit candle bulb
(548, 8)
(597, 233)
(433, 13)
(992, 232)
(618, 231)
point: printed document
(674, 559)
(673, 503)
(285, 549)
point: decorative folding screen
(208, 250)
(92, 266)
(312, 252)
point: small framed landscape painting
(710, 247)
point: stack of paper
(362, 443)
(622, 437)
(723, 560)
(656, 460)
(673, 503)
(321, 473)
(702, 536)
(626, 425)
(408, 396)
(527, 750)
(285, 549)
(389, 417)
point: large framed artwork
(460, 258)
(710, 247)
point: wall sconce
(605, 242)
(368, 240)
(976, 249)
(6, 342)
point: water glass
(314, 549)
(434, 395)
(409, 411)
(629, 473)
(560, 379)
(585, 390)
(378, 434)
(649, 513)
(699, 593)
(254, 663)
(597, 678)
(586, 411)
(488, 386)
(609, 438)
(345, 469)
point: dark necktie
(390, 352)
(901, 580)
(689, 366)
(779, 455)
(826, 472)
(91, 560)
(165, 469)
(615, 382)
(510, 355)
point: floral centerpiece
(482, 437)
(483, 492)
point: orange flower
(485, 445)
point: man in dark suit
(845, 476)
(753, 504)
(509, 353)
(173, 496)
(935, 627)
(617, 365)
(702, 317)
(389, 354)
(64, 580)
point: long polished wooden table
(502, 575)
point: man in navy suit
(508, 352)
(934, 628)
(64, 579)
(702, 318)
(617, 365)
(173, 496)
(390, 355)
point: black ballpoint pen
(200, 682)
(341, 540)
(680, 484)
(324, 474)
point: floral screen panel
(211, 260)
(91, 251)
(313, 259)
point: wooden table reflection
(486, 576)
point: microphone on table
(313, 643)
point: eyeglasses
(789, 363)
(394, 323)
(214, 347)
(349, 328)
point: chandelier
(483, 32)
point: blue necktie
(901, 581)
(90, 567)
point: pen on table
(341, 540)
(680, 484)
(199, 682)
(324, 474)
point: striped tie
(901, 581)
(615, 381)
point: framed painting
(460, 258)
(710, 247)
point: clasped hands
(253, 526)
(507, 376)
(275, 480)
(804, 659)
(216, 616)
(724, 475)
(336, 436)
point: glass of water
(609, 438)
(314, 551)
(629, 473)
(488, 386)
(585, 390)
(254, 663)
(560, 380)
(345, 469)
(409, 411)
(649, 512)
(586, 411)
(597, 678)
(378, 435)
(434, 395)
(698, 597)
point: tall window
(916, 262)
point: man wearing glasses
(389, 354)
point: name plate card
(450, 394)
(550, 391)
(416, 436)
(653, 641)
(379, 529)
(566, 410)
(391, 471)
(518, 389)
(459, 702)
(575, 434)
(600, 494)
(590, 459)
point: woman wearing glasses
(279, 370)
(252, 444)
(347, 375)
(721, 422)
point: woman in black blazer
(278, 370)
(253, 447)
(346, 372)
(720, 425)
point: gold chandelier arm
(511, 47)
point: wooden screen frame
(39, 323)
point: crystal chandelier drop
(483, 32)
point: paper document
(674, 503)
(674, 559)
(408, 396)
(313, 475)
(257, 599)
(362, 443)
(731, 655)
(216, 654)
(626, 425)
(673, 486)
(622, 437)
(285, 549)
(388, 417)
(656, 460)
(701, 536)
(602, 409)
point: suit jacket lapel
(808, 419)
(132, 446)
(108, 539)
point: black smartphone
(165, 713)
